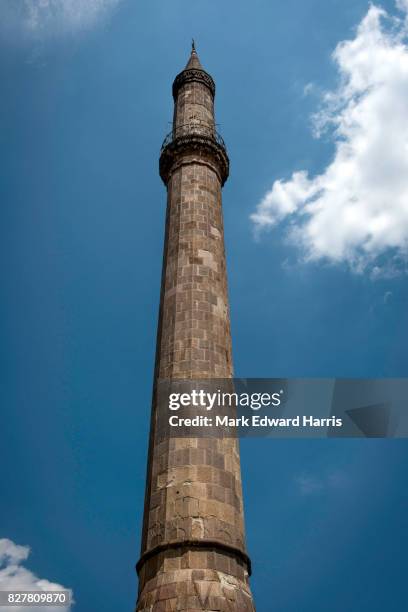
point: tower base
(194, 590)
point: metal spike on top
(193, 62)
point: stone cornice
(193, 74)
(195, 544)
(206, 148)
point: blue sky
(86, 101)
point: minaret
(193, 554)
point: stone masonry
(193, 553)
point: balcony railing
(193, 129)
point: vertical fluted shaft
(193, 547)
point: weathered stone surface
(193, 545)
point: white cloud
(42, 18)
(356, 210)
(387, 297)
(14, 576)
(402, 5)
(310, 484)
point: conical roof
(194, 61)
(193, 72)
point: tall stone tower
(193, 553)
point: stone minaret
(193, 547)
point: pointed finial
(193, 62)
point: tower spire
(194, 61)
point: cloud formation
(14, 576)
(311, 484)
(308, 485)
(356, 210)
(42, 18)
